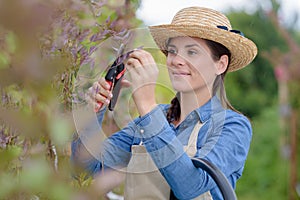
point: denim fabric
(224, 140)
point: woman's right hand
(99, 95)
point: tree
(286, 66)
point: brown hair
(217, 51)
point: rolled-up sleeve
(92, 151)
(159, 138)
(152, 123)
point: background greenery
(42, 47)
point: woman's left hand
(143, 73)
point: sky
(154, 12)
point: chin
(182, 88)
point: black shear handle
(220, 179)
(115, 91)
(113, 77)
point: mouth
(181, 73)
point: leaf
(60, 130)
(4, 61)
(10, 40)
(35, 175)
(10, 153)
(8, 184)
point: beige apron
(144, 180)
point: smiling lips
(181, 73)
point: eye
(192, 52)
(172, 51)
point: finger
(134, 66)
(107, 94)
(102, 99)
(104, 83)
(133, 76)
(126, 83)
(147, 62)
(103, 88)
(143, 56)
(98, 93)
(94, 98)
(91, 92)
(96, 87)
(93, 103)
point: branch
(294, 47)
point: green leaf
(35, 175)
(60, 130)
(10, 153)
(4, 61)
(8, 183)
(10, 40)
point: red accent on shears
(114, 76)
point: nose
(177, 60)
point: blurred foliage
(42, 46)
(266, 170)
(254, 91)
(255, 87)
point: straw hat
(208, 24)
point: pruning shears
(115, 75)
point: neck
(190, 101)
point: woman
(200, 122)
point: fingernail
(110, 95)
(106, 101)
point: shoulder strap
(191, 147)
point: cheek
(168, 61)
(206, 71)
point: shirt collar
(205, 111)
(209, 108)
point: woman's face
(190, 65)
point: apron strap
(191, 148)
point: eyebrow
(186, 46)
(191, 45)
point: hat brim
(242, 49)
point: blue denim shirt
(224, 140)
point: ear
(222, 64)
